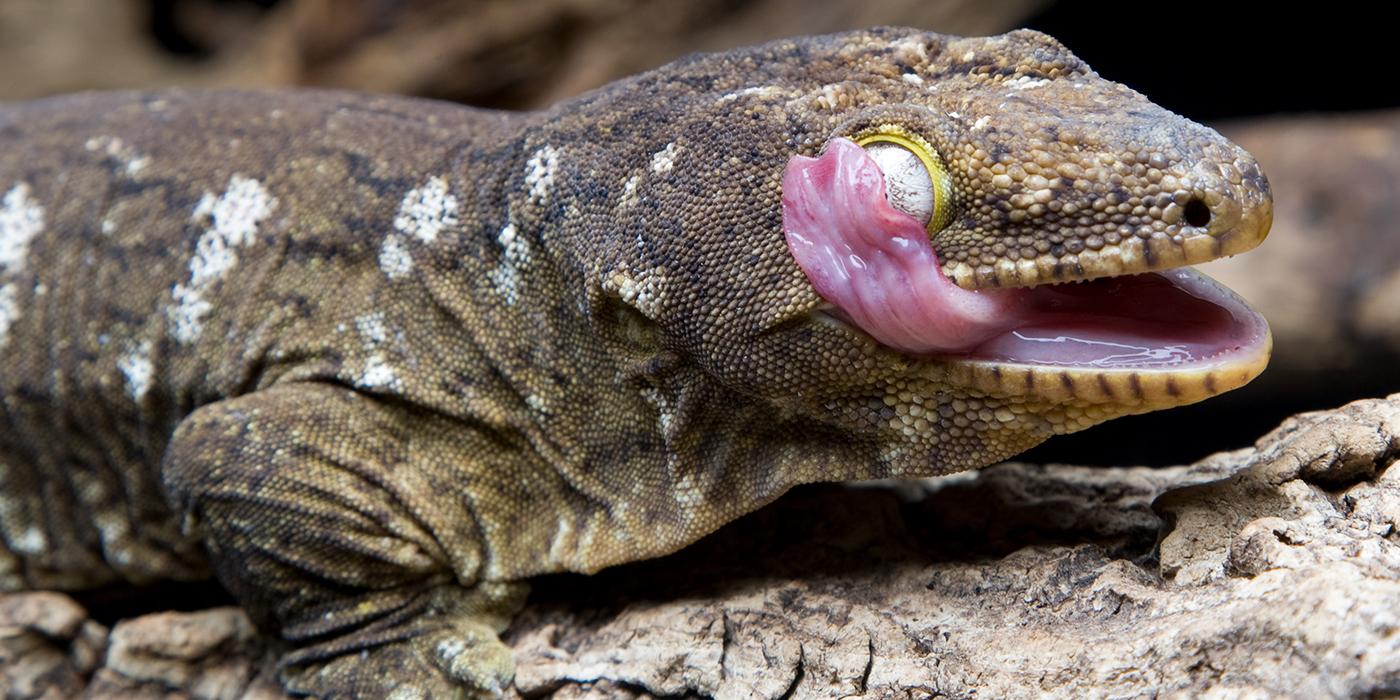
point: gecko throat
(877, 268)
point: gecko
(373, 362)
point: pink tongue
(875, 263)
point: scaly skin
(374, 361)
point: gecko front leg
(330, 515)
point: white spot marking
(372, 329)
(132, 161)
(981, 123)
(21, 219)
(204, 208)
(955, 115)
(378, 373)
(405, 692)
(539, 172)
(31, 541)
(427, 211)
(9, 310)
(629, 192)
(1026, 82)
(448, 649)
(912, 78)
(688, 493)
(515, 254)
(136, 366)
(912, 45)
(665, 410)
(115, 533)
(664, 160)
(233, 221)
(761, 91)
(394, 258)
(969, 56)
(833, 95)
(644, 294)
(560, 542)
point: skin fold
(375, 361)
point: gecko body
(375, 361)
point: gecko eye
(915, 181)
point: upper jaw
(1235, 230)
(1151, 230)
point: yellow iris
(942, 183)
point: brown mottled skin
(458, 348)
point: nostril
(1196, 213)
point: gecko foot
(447, 651)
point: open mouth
(1151, 320)
(876, 267)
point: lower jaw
(1129, 391)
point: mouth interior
(1164, 319)
(877, 268)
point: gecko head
(971, 245)
(947, 218)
